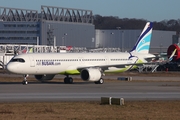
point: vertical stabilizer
(172, 55)
(143, 43)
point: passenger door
(32, 62)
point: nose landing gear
(25, 82)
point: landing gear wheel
(101, 81)
(96, 82)
(68, 80)
(24, 82)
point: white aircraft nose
(11, 68)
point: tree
(110, 22)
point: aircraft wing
(105, 67)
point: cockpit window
(17, 60)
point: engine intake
(90, 74)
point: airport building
(52, 26)
(57, 26)
(126, 39)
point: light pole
(37, 41)
(62, 41)
(54, 41)
(112, 40)
(160, 46)
(65, 38)
(122, 47)
(119, 35)
(103, 40)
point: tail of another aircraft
(172, 55)
(143, 43)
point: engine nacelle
(90, 74)
(44, 77)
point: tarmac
(140, 88)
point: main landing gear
(101, 81)
(68, 80)
(24, 82)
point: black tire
(96, 82)
(101, 81)
(70, 80)
(66, 80)
(24, 82)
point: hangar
(52, 26)
(58, 26)
(126, 39)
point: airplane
(90, 66)
(172, 55)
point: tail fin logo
(172, 55)
(143, 42)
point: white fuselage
(71, 63)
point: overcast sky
(152, 10)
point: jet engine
(43, 78)
(90, 74)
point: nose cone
(11, 68)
